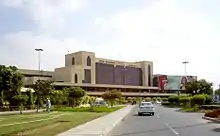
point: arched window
(73, 61)
(76, 78)
(88, 61)
(149, 75)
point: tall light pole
(185, 63)
(39, 50)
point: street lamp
(39, 50)
(185, 63)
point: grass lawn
(43, 124)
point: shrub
(148, 99)
(164, 99)
(173, 99)
(198, 99)
(184, 101)
(208, 99)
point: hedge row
(193, 100)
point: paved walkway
(18, 112)
(101, 126)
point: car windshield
(146, 104)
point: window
(149, 75)
(73, 61)
(88, 61)
(76, 78)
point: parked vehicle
(100, 102)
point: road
(166, 122)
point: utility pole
(39, 50)
(185, 63)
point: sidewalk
(18, 112)
(100, 126)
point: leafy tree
(75, 95)
(59, 97)
(92, 100)
(30, 101)
(112, 95)
(192, 87)
(205, 87)
(43, 89)
(10, 83)
(217, 92)
(21, 99)
(199, 87)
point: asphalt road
(166, 122)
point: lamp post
(185, 63)
(39, 50)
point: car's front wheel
(139, 114)
(152, 114)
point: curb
(108, 131)
(211, 119)
(103, 131)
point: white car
(146, 107)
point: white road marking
(19, 123)
(173, 130)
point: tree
(205, 87)
(10, 84)
(43, 89)
(217, 92)
(112, 95)
(192, 87)
(59, 97)
(30, 101)
(21, 99)
(75, 95)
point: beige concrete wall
(67, 74)
(62, 74)
(32, 80)
(145, 72)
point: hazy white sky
(166, 32)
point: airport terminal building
(96, 75)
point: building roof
(35, 72)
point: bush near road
(192, 103)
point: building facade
(83, 67)
(97, 75)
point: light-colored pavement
(166, 122)
(101, 126)
(18, 112)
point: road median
(216, 120)
(101, 126)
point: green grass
(43, 124)
(49, 124)
(90, 109)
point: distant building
(97, 75)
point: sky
(166, 32)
